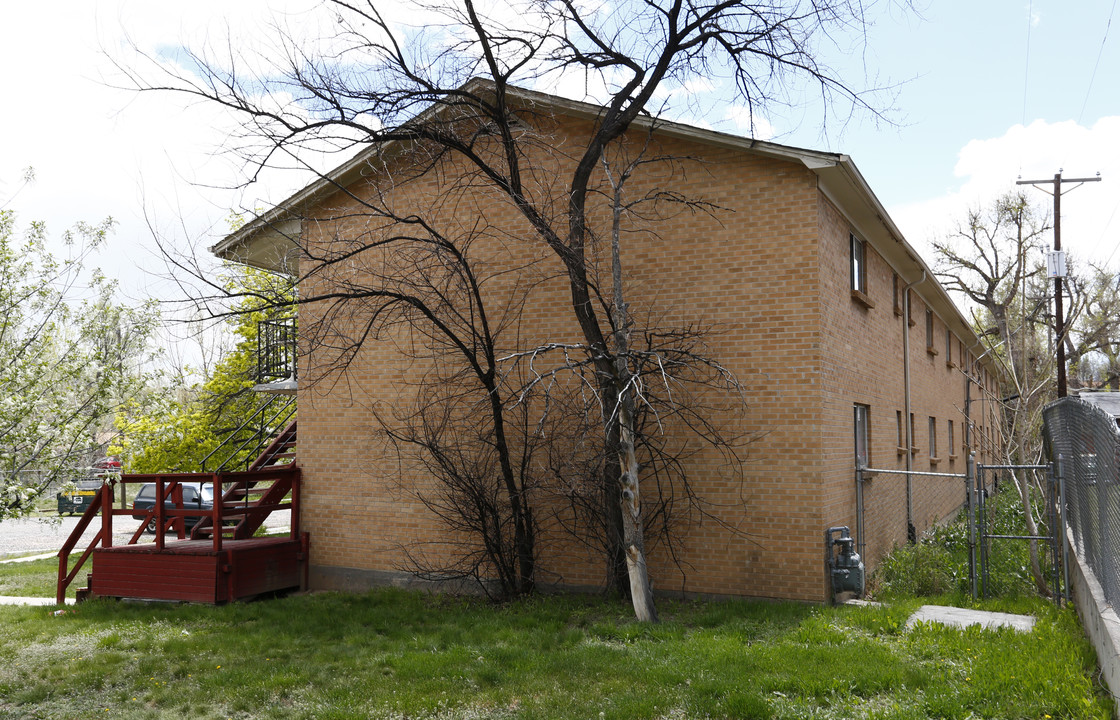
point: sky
(985, 93)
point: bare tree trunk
(633, 529)
(641, 592)
(1024, 488)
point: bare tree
(447, 94)
(995, 261)
(1095, 323)
(424, 287)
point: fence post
(1052, 495)
(970, 495)
(862, 550)
(982, 523)
(1059, 472)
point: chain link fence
(1085, 442)
(1008, 530)
(896, 506)
(1019, 530)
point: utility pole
(1059, 271)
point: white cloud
(750, 124)
(990, 167)
(100, 151)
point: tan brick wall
(865, 364)
(769, 273)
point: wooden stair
(248, 492)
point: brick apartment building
(826, 315)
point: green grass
(35, 578)
(395, 654)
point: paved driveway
(23, 537)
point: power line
(1027, 60)
(1104, 40)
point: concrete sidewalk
(29, 558)
(33, 601)
(963, 617)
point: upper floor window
(930, 347)
(859, 265)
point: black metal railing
(276, 350)
(244, 444)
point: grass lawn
(395, 654)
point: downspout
(911, 532)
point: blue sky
(990, 90)
(977, 69)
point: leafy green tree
(176, 429)
(65, 365)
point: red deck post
(179, 522)
(107, 514)
(217, 511)
(160, 519)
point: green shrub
(923, 569)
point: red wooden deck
(229, 565)
(193, 571)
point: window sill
(953, 457)
(950, 364)
(933, 461)
(932, 351)
(862, 299)
(911, 322)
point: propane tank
(845, 566)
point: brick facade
(770, 271)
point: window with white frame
(859, 264)
(862, 421)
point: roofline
(838, 177)
(347, 172)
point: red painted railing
(283, 494)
